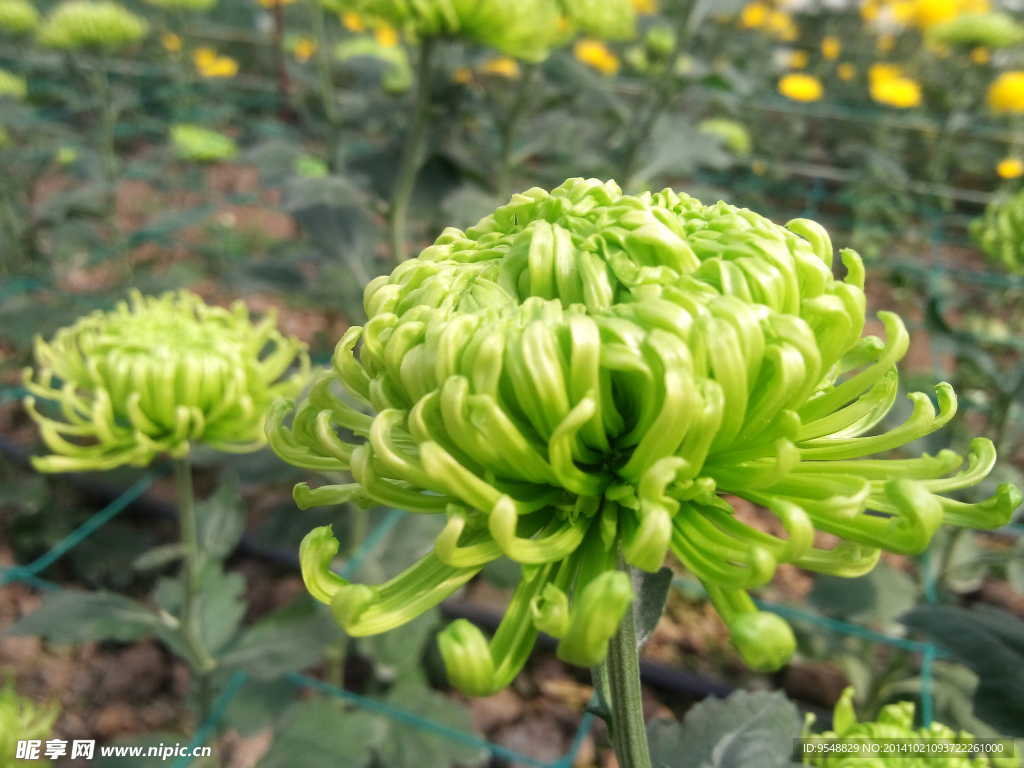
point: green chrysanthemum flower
(12, 85)
(18, 16)
(398, 75)
(201, 145)
(85, 24)
(991, 30)
(526, 29)
(21, 719)
(584, 369)
(895, 721)
(184, 5)
(602, 19)
(1000, 232)
(154, 376)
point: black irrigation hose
(658, 676)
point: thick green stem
(412, 154)
(629, 734)
(190, 586)
(510, 128)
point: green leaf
(877, 597)
(258, 704)
(158, 557)
(651, 590)
(746, 729)
(220, 606)
(221, 518)
(1015, 567)
(287, 640)
(409, 747)
(317, 733)
(404, 544)
(164, 227)
(398, 654)
(71, 616)
(965, 569)
(990, 642)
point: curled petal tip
(594, 617)
(764, 640)
(350, 603)
(316, 552)
(467, 658)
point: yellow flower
(272, 3)
(885, 43)
(928, 13)
(900, 92)
(386, 36)
(304, 49)
(204, 57)
(645, 7)
(754, 15)
(846, 71)
(463, 75)
(1006, 94)
(800, 87)
(980, 56)
(352, 22)
(171, 42)
(903, 11)
(1010, 168)
(596, 54)
(798, 59)
(881, 71)
(831, 47)
(502, 66)
(781, 25)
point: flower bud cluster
(585, 371)
(85, 24)
(18, 16)
(1000, 232)
(198, 144)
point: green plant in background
(990, 30)
(18, 17)
(21, 719)
(895, 721)
(12, 85)
(575, 380)
(153, 377)
(195, 143)
(733, 134)
(1000, 232)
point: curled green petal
(316, 552)
(551, 611)
(594, 617)
(467, 658)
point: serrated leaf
(409, 747)
(746, 729)
(71, 616)
(221, 518)
(990, 642)
(965, 567)
(258, 704)
(397, 654)
(317, 733)
(651, 590)
(220, 606)
(287, 640)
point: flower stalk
(412, 153)
(510, 129)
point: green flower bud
(1000, 232)
(85, 24)
(12, 85)
(585, 372)
(733, 134)
(201, 145)
(184, 5)
(18, 16)
(602, 19)
(594, 618)
(155, 376)
(989, 30)
(398, 75)
(659, 43)
(467, 658)
(22, 719)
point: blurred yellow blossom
(937, 49)
(798, 59)
(171, 42)
(596, 54)
(781, 25)
(760, 167)
(386, 36)
(1010, 168)
(645, 7)
(754, 15)
(831, 47)
(846, 71)
(352, 22)
(502, 66)
(882, 71)
(463, 75)
(272, 3)
(901, 92)
(980, 56)
(885, 43)
(1006, 94)
(304, 49)
(204, 57)
(210, 64)
(800, 87)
